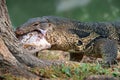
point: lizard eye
(35, 24)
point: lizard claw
(110, 63)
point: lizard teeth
(43, 32)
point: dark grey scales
(96, 38)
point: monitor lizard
(89, 38)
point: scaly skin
(75, 36)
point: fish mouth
(34, 40)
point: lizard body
(66, 34)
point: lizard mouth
(34, 40)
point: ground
(71, 70)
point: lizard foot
(110, 63)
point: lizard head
(32, 33)
(32, 24)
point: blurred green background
(84, 10)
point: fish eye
(79, 43)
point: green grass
(75, 71)
(69, 71)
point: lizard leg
(108, 50)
